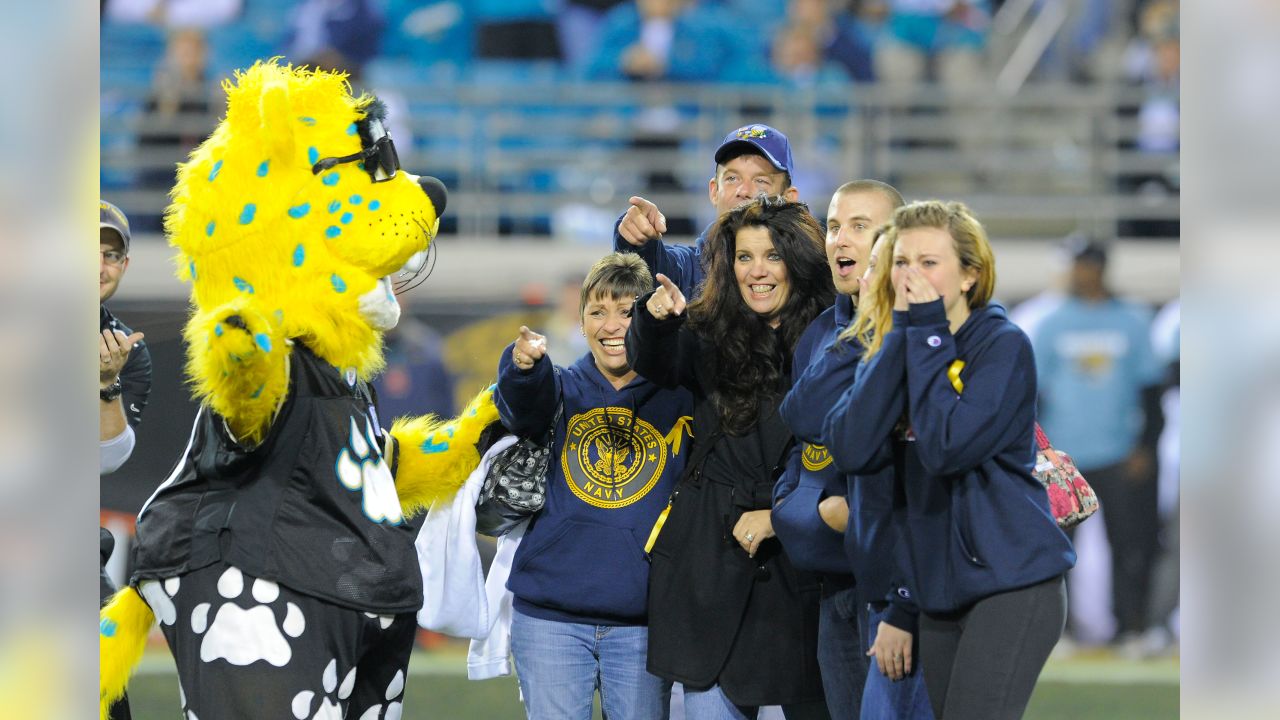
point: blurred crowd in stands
(785, 42)
(162, 62)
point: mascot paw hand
(242, 334)
(242, 357)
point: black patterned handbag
(515, 486)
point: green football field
(1092, 686)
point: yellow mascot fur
(290, 222)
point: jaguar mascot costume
(276, 556)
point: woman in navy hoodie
(731, 618)
(946, 396)
(580, 575)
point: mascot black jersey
(313, 507)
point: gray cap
(1080, 247)
(112, 217)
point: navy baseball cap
(110, 216)
(761, 139)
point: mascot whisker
(276, 556)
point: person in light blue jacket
(1100, 386)
(945, 395)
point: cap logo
(755, 131)
(115, 215)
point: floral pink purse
(1070, 497)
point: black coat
(717, 616)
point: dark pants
(841, 659)
(248, 648)
(982, 663)
(1129, 507)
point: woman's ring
(750, 537)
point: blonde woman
(946, 395)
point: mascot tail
(122, 634)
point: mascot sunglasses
(379, 153)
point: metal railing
(1038, 163)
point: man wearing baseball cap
(124, 364)
(752, 160)
(124, 376)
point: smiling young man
(827, 523)
(751, 161)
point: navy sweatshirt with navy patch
(616, 456)
(977, 522)
(871, 544)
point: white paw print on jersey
(360, 466)
(394, 708)
(159, 595)
(329, 706)
(243, 637)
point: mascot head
(295, 209)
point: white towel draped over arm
(453, 585)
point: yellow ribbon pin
(673, 438)
(953, 374)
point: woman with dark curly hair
(730, 617)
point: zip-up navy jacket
(810, 476)
(978, 523)
(681, 263)
(616, 456)
(871, 543)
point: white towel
(489, 657)
(454, 600)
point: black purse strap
(555, 420)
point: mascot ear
(274, 116)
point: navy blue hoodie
(870, 545)
(978, 523)
(809, 476)
(616, 457)
(681, 263)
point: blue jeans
(841, 655)
(884, 699)
(560, 665)
(712, 704)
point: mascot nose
(435, 190)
